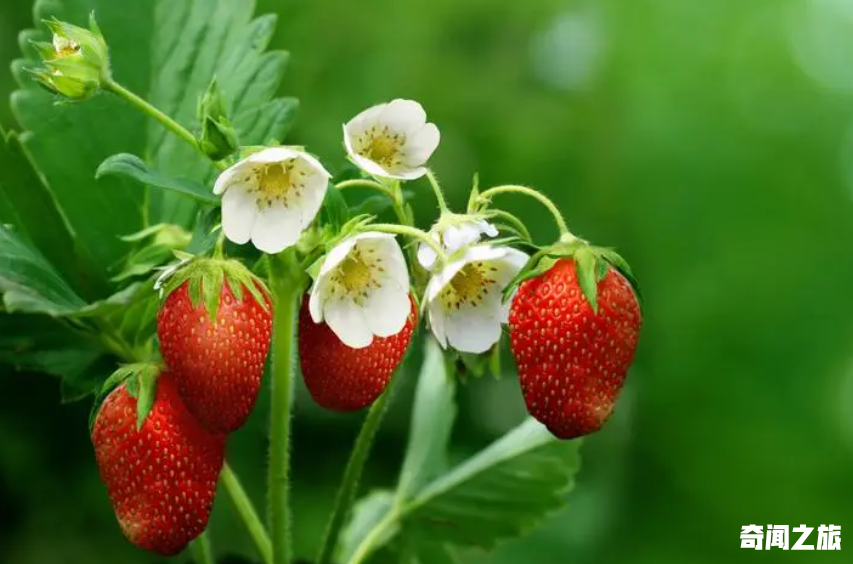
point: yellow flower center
(382, 147)
(279, 182)
(355, 276)
(470, 285)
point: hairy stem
(365, 183)
(151, 111)
(352, 474)
(530, 192)
(414, 233)
(439, 195)
(247, 513)
(286, 283)
(201, 550)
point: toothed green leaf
(586, 271)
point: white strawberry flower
(391, 140)
(464, 299)
(453, 236)
(362, 289)
(270, 197)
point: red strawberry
(217, 366)
(571, 360)
(161, 478)
(346, 379)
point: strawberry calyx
(205, 277)
(591, 262)
(140, 380)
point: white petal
(311, 199)
(421, 145)
(314, 164)
(426, 256)
(387, 309)
(403, 116)
(239, 209)
(276, 228)
(441, 279)
(509, 265)
(227, 177)
(436, 323)
(369, 166)
(315, 301)
(348, 322)
(482, 253)
(273, 155)
(487, 228)
(395, 263)
(366, 118)
(337, 255)
(406, 174)
(473, 329)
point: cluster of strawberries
(161, 469)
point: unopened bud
(218, 138)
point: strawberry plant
(168, 255)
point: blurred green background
(711, 142)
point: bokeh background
(711, 142)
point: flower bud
(218, 138)
(76, 63)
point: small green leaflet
(585, 261)
(131, 166)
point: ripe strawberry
(217, 365)
(160, 477)
(346, 379)
(571, 360)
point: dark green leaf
(29, 283)
(131, 166)
(335, 210)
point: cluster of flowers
(362, 289)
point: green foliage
(131, 166)
(495, 495)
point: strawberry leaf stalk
(160, 466)
(574, 324)
(214, 329)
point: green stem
(513, 221)
(201, 550)
(247, 513)
(530, 192)
(364, 183)
(153, 112)
(412, 232)
(286, 283)
(439, 195)
(352, 474)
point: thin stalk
(201, 550)
(247, 513)
(365, 183)
(439, 195)
(530, 192)
(412, 232)
(352, 474)
(513, 221)
(153, 112)
(286, 282)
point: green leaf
(499, 493)
(335, 210)
(433, 415)
(585, 261)
(32, 209)
(131, 166)
(366, 515)
(105, 307)
(193, 41)
(29, 283)
(67, 142)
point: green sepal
(205, 277)
(140, 379)
(314, 270)
(622, 266)
(585, 262)
(218, 137)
